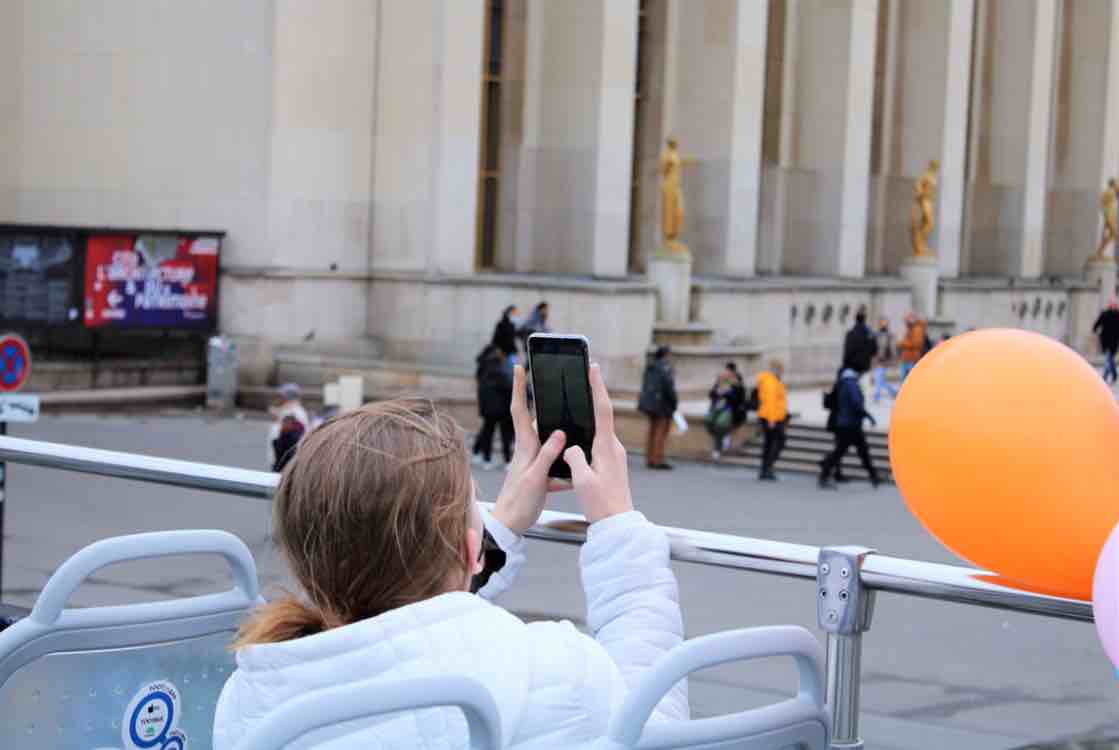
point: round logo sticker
(152, 716)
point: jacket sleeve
(1098, 324)
(514, 548)
(633, 606)
(858, 402)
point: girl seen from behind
(377, 519)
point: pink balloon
(1105, 596)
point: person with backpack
(727, 398)
(658, 402)
(773, 414)
(850, 411)
(495, 396)
(883, 360)
(831, 405)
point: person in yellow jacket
(773, 414)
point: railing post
(844, 608)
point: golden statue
(672, 198)
(1109, 206)
(924, 206)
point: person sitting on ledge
(377, 518)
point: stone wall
(446, 320)
(802, 321)
(1057, 310)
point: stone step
(854, 472)
(812, 459)
(819, 450)
(823, 436)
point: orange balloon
(1005, 445)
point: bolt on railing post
(843, 608)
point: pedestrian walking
(883, 360)
(1107, 327)
(537, 322)
(727, 397)
(658, 402)
(849, 416)
(831, 404)
(495, 397)
(773, 414)
(913, 345)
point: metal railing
(875, 573)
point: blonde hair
(371, 515)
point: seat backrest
(143, 676)
(800, 723)
(331, 707)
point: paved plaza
(934, 675)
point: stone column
(576, 157)
(785, 137)
(1031, 257)
(716, 72)
(863, 33)
(428, 94)
(459, 38)
(1102, 272)
(953, 155)
(1109, 165)
(747, 124)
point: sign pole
(3, 505)
(15, 369)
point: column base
(671, 272)
(923, 274)
(1103, 273)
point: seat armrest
(719, 648)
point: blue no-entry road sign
(15, 362)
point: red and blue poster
(151, 281)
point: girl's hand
(527, 483)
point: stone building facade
(392, 173)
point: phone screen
(562, 392)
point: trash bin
(222, 362)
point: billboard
(151, 281)
(38, 277)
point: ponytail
(284, 620)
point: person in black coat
(850, 412)
(860, 345)
(658, 402)
(1107, 326)
(505, 332)
(495, 398)
(831, 404)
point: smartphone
(561, 388)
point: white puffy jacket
(554, 686)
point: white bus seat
(801, 722)
(68, 677)
(333, 707)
